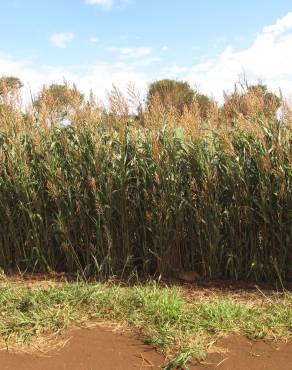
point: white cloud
(280, 26)
(130, 53)
(109, 4)
(99, 77)
(164, 48)
(129, 37)
(61, 39)
(104, 3)
(268, 58)
(175, 71)
(94, 39)
(146, 61)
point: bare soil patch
(89, 349)
(239, 353)
(100, 348)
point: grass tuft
(183, 329)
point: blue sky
(96, 43)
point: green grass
(163, 316)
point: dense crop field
(117, 193)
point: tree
(9, 84)
(58, 101)
(171, 93)
(271, 102)
(9, 97)
(180, 95)
(251, 100)
(205, 105)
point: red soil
(239, 353)
(88, 350)
(102, 349)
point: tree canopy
(179, 95)
(59, 100)
(9, 84)
(171, 93)
(252, 100)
